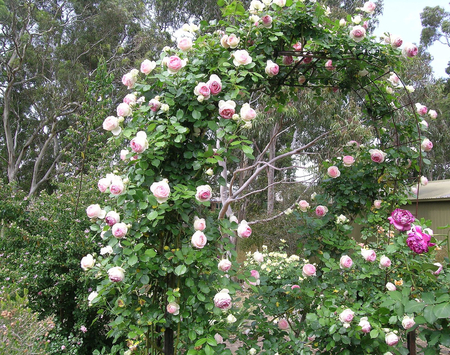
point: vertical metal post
(411, 342)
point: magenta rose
(345, 262)
(401, 219)
(215, 84)
(199, 239)
(222, 299)
(309, 270)
(161, 190)
(418, 241)
(421, 109)
(202, 89)
(116, 274)
(297, 47)
(203, 193)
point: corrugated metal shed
(439, 189)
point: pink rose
(358, 33)
(309, 270)
(426, 145)
(333, 172)
(377, 204)
(87, 262)
(369, 7)
(283, 324)
(391, 339)
(199, 240)
(233, 41)
(409, 50)
(348, 160)
(396, 41)
(244, 230)
(147, 66)
(199, 224)
(103, 184)
(321, 211)
(130, 99)
(365, 325)
(346, 315)
(139, 143)
(215, 84)
(154, 105)
(368, 255)
(95, 211)
(185, 44)
(329, 65)
(377, 155)
(438, 271)
(174, 64)
(173, 308)
(308, 58)
(345, 262)
(433, 114)
(241, 57)
(111, 123)
(161, 190)
(258, 257)
(272, 68)
(224, 265)
(385, 262)
(390, 286)
(247, 113)
(116, 274)
(112, 217)
(123, 154)
(408, 322)
(297, 46)
(119, 230)
(421, 109)
(222, 299)
(255, 274)
(202, 89)
(203, 193)
(117, 186)
(423, 181)
(218, 338)
(288, 60)
(293, 287)
(301, 79)
(129, 79)
(394, 79)
(124, 110)
(303, 205)
(227, 109)
(267, 21)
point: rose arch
(167, 269)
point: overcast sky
(402, 18)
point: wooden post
(411, 342)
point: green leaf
(374, 333)
(413, 306)
(152, 215)
(180, 270)
(247, 150)
(132, 260)
(429, 315)
(196, 114)
(442, 310)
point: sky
(402, 18)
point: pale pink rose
(185, 44)
(117, 186)
(414, 190)
(309, 270)
(391, 339)
(218, 338)
(288, 60)
(204, 193)
(106, 250)
(321, 211)
(215, 84)
(308, 58)
(119, 230)
(241, 57)
(112, 217)
(329, 65)
(139, 143)
(95, 211)
(87, 262)
(129, 79)
(345, 262)
(199, 224)
(377, 204)
(116, 274)
(421, 109)
(423, 181)
(174, 64)
(426, 145)
(342, 22)
(227, 109)
(244, 230)
(258, 257)
(298, 46)
(272, 68)
(124, 110)
(365, 325)
(439, 265)
(433, 114)
(247, 113)
(147, 66)
(233, 219)
(333, 172)
(224, 41)
(111, 123)
(394, 79)
(369, 7)
(348, 160)
(408, 322)
(83, 329)
(154, 105)
(130, 99)
(283, 324)
(346, 315)
(123, 154)
(161, 190)
(385, 262)
(202, 89)
(409, 50)
(358, 33)
(267, 21)
(303, 205)
(377, 155)
(396, 41)
(233, 41)
(199, 239)
(255, 274)
(301, 79)
(173, 308)
(224, 265)
(365, 25)
(390, 286)
(368, 255)
(293, 287)
(222, 299)
(280, 3)
(103, 184)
